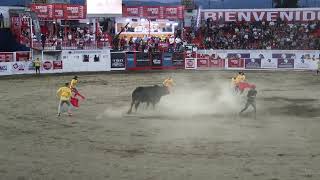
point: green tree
(285, 3)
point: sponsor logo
(47, 65)
(3, 68)
(190, 63)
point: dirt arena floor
(195, 133)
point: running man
(251, 100)
(73, 87)
(168, 83)
(37, 65)
(64, 93)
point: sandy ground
(195, 133)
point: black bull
(150, 94)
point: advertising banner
(253, 63)
(178, 60)
(269, 63)
(254, 15)
(216, 63)
(58, 11)
(133, 11)
(236, 63)
(190, 63)
(43, 11)
(5, 68)
(174, 12)
(6, 57)
(74, 11)
(130, 60)
(202, 63)
(19, 67)
(57, 65)
(156, 59)
(167, 60)
(286, 63)
(142, 59)
(154, 12)
(118, 61)
(23, 56)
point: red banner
(174, 12)
(202, 63)
(216, 63)
(74, 12)
(154, 12)
(58, 12)
(133, 11)
(43, 11)
(22, 56)
(6, 57)
(236, 63)
(57, 65)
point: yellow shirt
(37, 63)
(240, 78)
(168, 82)
(233, 81)
(64, 93)
(73, 83)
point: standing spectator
(43, 40)
(1, 21)
(37, 65)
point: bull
(149, 95)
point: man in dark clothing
(43, 40)
(252, 93)
(1, 21)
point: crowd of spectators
(258, 35)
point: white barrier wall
(60, 62)
(86, 60)
(262, 59)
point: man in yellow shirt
(73, 87)
(64, 93)
(37, 65)
(168, 83)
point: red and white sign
(190, 63)
(235, 63)
(47, 65)
(58, 11)
(22, 56)
(216, 63)
(74, 12)
(6, 57)
(44, 11)
(154, 12)
(173, 12)
(202, 63)
(133, 11)
(251, 15)
(57, 65)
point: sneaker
(58, 115)
(69, 114)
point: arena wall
(104, 60)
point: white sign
(98, 8)
(251, 15)
(190, 63)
